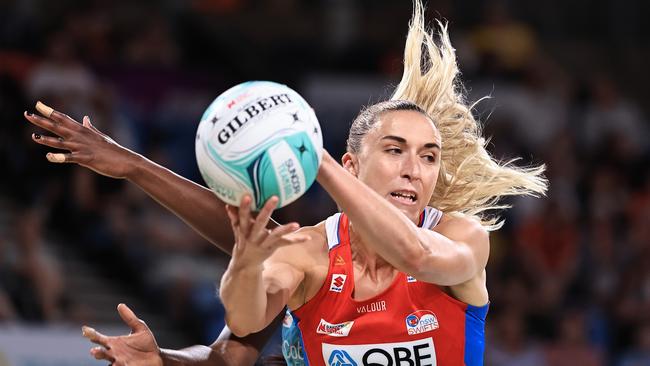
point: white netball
(260, 138)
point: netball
(260, 138)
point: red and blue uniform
(410, 323)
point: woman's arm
(140, 347)
(261, 277)
(449, 259)
(88, 147)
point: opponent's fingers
(245, 214)
(43, 109)
(86, 123)
(100, 353)
(72, 157)
(262, 219)
(94, 336)
(47, 124)
(56, 142)
(57, 116)
(136, 324)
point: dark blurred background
(569, 275)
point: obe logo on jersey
(340, 358)
(338, 280)
(421, 321)
(414, 353)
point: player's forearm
(193, 203)
(196, 355)
(244, 297)
(381, 225)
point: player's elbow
(239, 328)
(446, 269)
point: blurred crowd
(569, 275)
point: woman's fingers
(47, 124)
(101, 353)
(43, 109)
(56, 142)
(245, 215)
(73, 157)
(94, 336)
(57, 117)
(285, 235)
(262, 220)
(233, 215)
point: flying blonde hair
(471, 182)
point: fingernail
(28, 114)
(36, 136)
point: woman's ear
(350, 163)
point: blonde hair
(471, 182)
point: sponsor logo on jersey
(339, 261)
(338, 280)
(334, 330)
(421, 352)
(421, 321)
(287, 322)
(293, 353)
(341, 358)
(372, 307)
(411, 279)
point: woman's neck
(367, 260)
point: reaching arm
(139, 348)
(260, 278)
(90, 148)
(227, 350)
(448, 258)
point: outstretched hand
(139, 348)
(85, 144)
(254, 243)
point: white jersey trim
(432, 217)
(332, 230)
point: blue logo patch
(340, 358)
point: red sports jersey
(410, 323)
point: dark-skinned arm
(87, 146)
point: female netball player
(389, 280)
(469, 183)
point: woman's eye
(394, 150)
(430, 158)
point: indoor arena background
(569, 275)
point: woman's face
(400, 160)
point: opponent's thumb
(130, 318)
(86, 123)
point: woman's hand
(85, 144)
(139, 348)
(254, 243)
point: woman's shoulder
(455, 222)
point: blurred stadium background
(569, 275)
